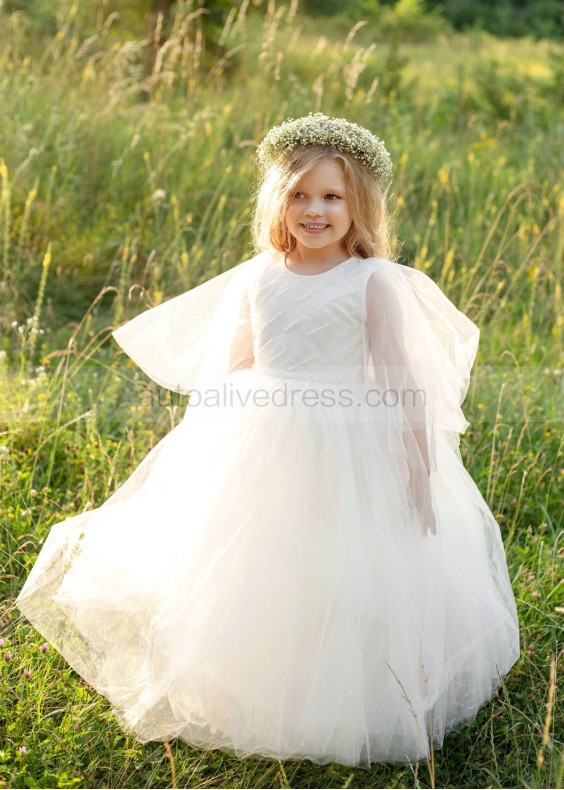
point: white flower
(158, 194)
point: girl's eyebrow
(338, 190)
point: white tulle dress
(302, 568)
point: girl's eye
(330, 195)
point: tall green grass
(121, 187)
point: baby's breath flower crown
(319, 129)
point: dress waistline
(306, 375)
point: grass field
(121, 187)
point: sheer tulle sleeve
(421, 349)
(194, 339)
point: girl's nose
(314, 208)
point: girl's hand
(420, 494)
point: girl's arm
(394, 369)
(242, 350)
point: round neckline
(320, 274)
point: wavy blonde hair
(368, 235)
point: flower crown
(319, 129)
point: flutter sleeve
(420, 352)
(195, 339)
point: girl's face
(318, 215)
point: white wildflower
(158, 195)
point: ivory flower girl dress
(264, 582)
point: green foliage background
(539, 18)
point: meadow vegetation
(121, 186)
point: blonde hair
(368, 235)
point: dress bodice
(309, 326)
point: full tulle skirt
(255, 586)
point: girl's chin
(315, 244)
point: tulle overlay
(264, 583)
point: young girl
(302, 568)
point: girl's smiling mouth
(313, 227)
